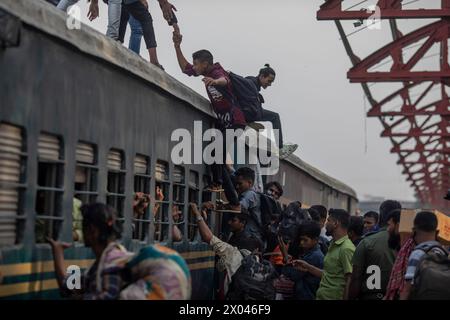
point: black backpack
(246, 97)
(270, 212)
(432, 277)
(253, 280)
(270, 209)
(293, 216)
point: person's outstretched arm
(58, 260)
(182, 61)
(167, 9)
(203, 228)
(306, 267)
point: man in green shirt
(337, 266)
(373, 260)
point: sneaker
(227, 208)
(255, 126)
(214, 187)
(287, 150)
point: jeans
(53, 2)
(114, 8)
(64, 4)
(114, 11)
(274, 118)
(136, 35)
(141, 14)
(223, 177)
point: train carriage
(82, 117)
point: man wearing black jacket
(264, 80)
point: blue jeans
(114, 11)
(136, 35)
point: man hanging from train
(220, 92)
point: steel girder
(437, 32)
(389, 9)
(419, 130)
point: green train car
(82, 117)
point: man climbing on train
(220, 92)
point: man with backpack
(264, 79)
(250, 200)
(428, 271)
(220, 92)
(247, 275)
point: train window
(115, 195)
(194, 192)
(207, 196)
(50, 190)
(86, 173)
(141, 214)
(12, 179)
(179, 204)
(162, 185)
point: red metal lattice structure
(419, 130)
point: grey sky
(320, 109)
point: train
(83, 118)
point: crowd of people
(267, 251)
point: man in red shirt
(220, 92)
(217, 82)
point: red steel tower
(416, 117)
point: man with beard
(337, 266)
(393, 224)
(373, 250)
(425, 233)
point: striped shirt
(417, 255)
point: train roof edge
(321, 176)
(46, 18)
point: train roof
(46, 18)
(321, 176)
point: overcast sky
(319, 108)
